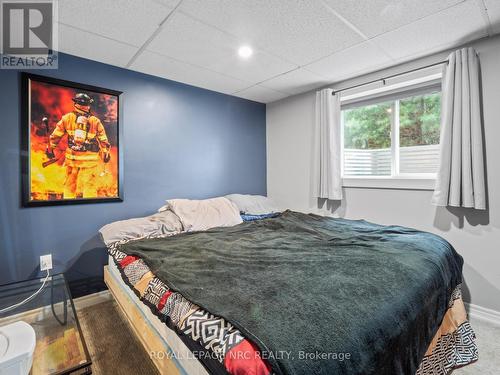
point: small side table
(60, 345)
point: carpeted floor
(115, 349)
(112, 344)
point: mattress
(182, 358)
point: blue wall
(178, 141)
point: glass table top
(60, 345)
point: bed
(301, 294)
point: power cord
(5, 309)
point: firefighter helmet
(82, 99)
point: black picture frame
(26, 201)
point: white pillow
(161, 223)
(197, 215)
(253, 204)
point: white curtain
(327, 179)
(461, 178)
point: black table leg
(65, 305)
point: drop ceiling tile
(449, 28)
(91, 46)
(128, 21)
(168, 3)
(374, 17)
(295, 30)
(261, 94)
(295, 82)
(493, 10)
(195, 42)
(162, 66)
(362, 58)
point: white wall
(474, 234)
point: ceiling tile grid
(352, 61)
(375, 17)
(295, 81)
(448, 28)
(298, 45)
(299, 31)
(194, 42)
(127, 21)
(94, 47)
(166, 67)
(260, 93)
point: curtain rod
(389, 77)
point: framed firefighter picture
(71, 143)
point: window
(395, 136)
(419, 128)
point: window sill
(383, 182)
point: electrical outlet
(45, 262)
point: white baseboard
(483, 313)
(92, 299)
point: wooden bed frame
(148, 337)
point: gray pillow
(254, 204)
(162, 223)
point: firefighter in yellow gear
(87, 143)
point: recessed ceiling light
(245, 52)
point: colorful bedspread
(217, 344)
(316, 295)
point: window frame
(397, 180)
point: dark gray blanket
(318, 295)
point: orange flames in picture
(47, 182)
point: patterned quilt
(217, 336)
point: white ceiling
(298, 44)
